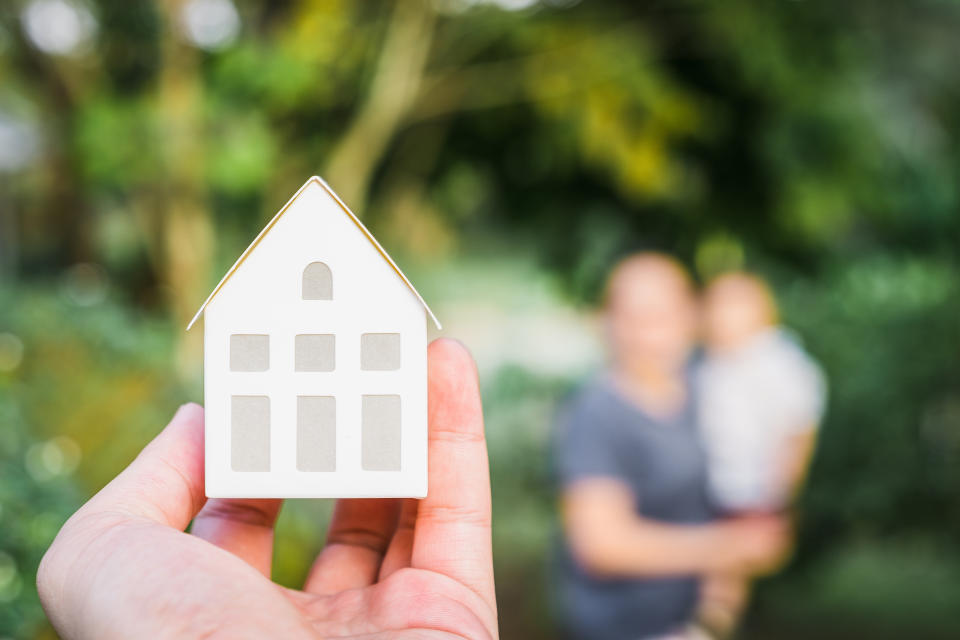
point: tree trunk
(392, 92)
(187, 238)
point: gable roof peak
(318, 182)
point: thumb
(165, 482)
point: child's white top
(752, 400)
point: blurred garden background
(506, 152)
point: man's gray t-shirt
(602, 434)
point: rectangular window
(380, 351)
(380, 433)
(250, 433)
(249, 352)
(316, 433)
(314, 352)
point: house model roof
(319, 182)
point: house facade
(315, 366)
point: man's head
(650, 310)
(737, 306)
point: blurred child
(761, 399)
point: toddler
(761, 398)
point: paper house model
(315, 363)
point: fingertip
(188, 411)
(190, 425)
(451, 355)
(452, 380)
(188, 418)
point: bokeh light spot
(85, 284)
(10, 583)
(11, 352)
(55, 457)
(211, 24)
(58, 27)
(19, 143)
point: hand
(756, 544)
(122, 566)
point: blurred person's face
(650, 315)
(736, 308)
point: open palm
(123, 566)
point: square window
(249, 352)
(380, 351)
(250, 433)
(314, 352)
(380, 433)
(316, 433)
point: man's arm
(608, 538)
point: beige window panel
(316, 433)
(380, 351)
(315, 352)
(380, 433)
(249, 352)
(250, 433)
(317, 282)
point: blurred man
(761, 400)
(633, 474)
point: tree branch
(393, 91)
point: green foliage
(518, 408)
(886, 333)
(884, 589)
(245, 152)
(35, 500)
(102, 122)
(83, 386)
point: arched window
(317, 282)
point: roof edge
(366, 232)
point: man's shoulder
(588, 432)
(591, 394)
(591, 406)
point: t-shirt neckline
(675, 420)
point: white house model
(315, 363)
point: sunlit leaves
(629, 117)
(243, 151)
(119, 141)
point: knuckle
(456, 436)
(251, 513)
(359, 537)
(456, 514)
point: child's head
(736, 307)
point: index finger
(452, 530)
